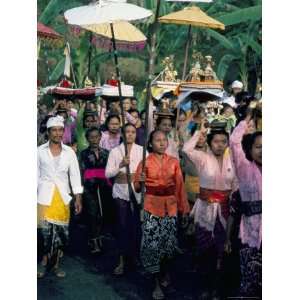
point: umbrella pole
(118, 80)
(186, 52)
(90, 55)
(38, 48)
(148, 95)
(187, 46)
(101, 109)
(131, 195)
(71, 63)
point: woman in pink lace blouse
(247, 156)
(217, 180)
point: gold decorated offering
(169, 73)
(209, 73)
(202, 79)
(196, 73)
(164, 108)
(88, 83)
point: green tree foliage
(236, 51)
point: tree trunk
(153, 34)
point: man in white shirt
(58, 169)
(236, 88)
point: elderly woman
(97, 200)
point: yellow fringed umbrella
(124, 31)
(128, 37)
(192, 16)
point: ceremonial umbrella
(127, 36)
(47, 34)
(203, 1)
(109, 12)
(192, 16)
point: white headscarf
(237, 85)
(57, 121)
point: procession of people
(167, 169)
(200, 176)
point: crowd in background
(202, 177)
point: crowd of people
(202, 177)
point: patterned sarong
(159, 241)
(251, 271)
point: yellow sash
(57, 213)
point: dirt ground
(90, 277)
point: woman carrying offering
(217, 181)
(247, 156)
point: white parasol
(198, 1)
(110, 12)
(106, 11)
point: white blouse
(212, 177)
(115, 157)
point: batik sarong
(251, 271)
(159, 241)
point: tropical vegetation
(236, 51)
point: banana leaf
(224, 64)
(220, 38)
(253, 13)
(58, 70)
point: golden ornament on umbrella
(192, 16)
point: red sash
(160, 191)
(214, 196)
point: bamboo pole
(187, 46)
(148, 95)
(71, 64)
(90, 55)
(133, 203)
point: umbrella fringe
(106, 44)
